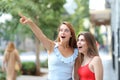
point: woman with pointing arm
(62, 53)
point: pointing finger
(21, 15)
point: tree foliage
(46, 14)
(81, 12)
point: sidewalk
(109, 73)
(29, 77)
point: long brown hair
(72, 41)
(91, 42)
(91, 52)
(10, 47)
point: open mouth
(79, 47)
(63, 37)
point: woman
(11, 57)
(61, 54)
(88, 65)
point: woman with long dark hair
(88, 65)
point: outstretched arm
(47, 43)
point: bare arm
(47, 43)
(98, 68)
(17, 58)
(76, 77)
(4, 61)
(76, 66)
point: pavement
(28, 77)
(109, 73)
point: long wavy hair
(72, 41)
(10, 47)
(91, 51)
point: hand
(24, 20)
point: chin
(80, 51)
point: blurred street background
(109, 73)
(100, 17)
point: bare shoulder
(97, 60)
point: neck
(64, 45)
(85, 56)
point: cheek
(68, 36)
(68, 33)
(77, 44)
(86, 47)
(59, 34)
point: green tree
(45, 13)
(81, 13)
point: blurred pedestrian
(11, 57)
(62, 53)
(88, 65)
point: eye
(82, 39)
(66, 30)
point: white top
(61, 68)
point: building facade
(115, 27)
(110, 16)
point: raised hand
(24, 20)
(38, 32)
